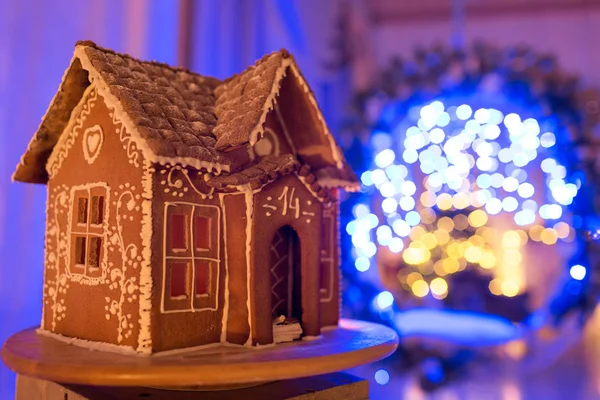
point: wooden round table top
(351, 344)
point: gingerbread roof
(266, 170)
(252, 91)
(174, 115)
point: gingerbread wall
(94, 254)
(235, 236)
(329, 291)
(188, 260)
(275, 139)
(277, 133)
(285, 202)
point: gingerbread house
(184, 210)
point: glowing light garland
(455, 168)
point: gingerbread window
(191, 257)
(202, 277)
(82, 210)
(179, 232)
(179, 286)
(87, 229)
(97, 211)
(202, 233)
(268, 144)
(80, 251)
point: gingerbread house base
(336, 386)
(208, 369)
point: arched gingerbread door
(284, 268)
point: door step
(286, 329)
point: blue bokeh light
(382, 377)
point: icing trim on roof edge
(32, 141)
(113, 102)
(281, 74)
(39, 153)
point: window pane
(179, 280)
(97, 210)
(178, 232)
(94, 252)
(80, 250)
(202, 233)
(202, 277)
(82, 210)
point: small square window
(202, 233)
(80, 250)
(95, 248)
(178, 232)
(97, 216)
(201, 277)
(179, 281)
(82, 210)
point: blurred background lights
(382, 377)
(463, 112)
(439, 185)
(362, 264)
(384, 300)
(385, 158)
(577, 272)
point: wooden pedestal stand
(52, 370)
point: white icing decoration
(118, 274)
(145, 297)
(69, 135)
(131, 127)
(268, 144)
(125, 137)
(286, 133)
(192, 257)
(115, 276)
(335, 183)
(270, 102)
(93, 138)
(88, 344)
(83, 230)
(289, 203)
(309, 188)
(178, 184)
(226, 294)
(328, 222)
(192, 349)
(249, 195)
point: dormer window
(268, 145)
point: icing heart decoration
(93, 138)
